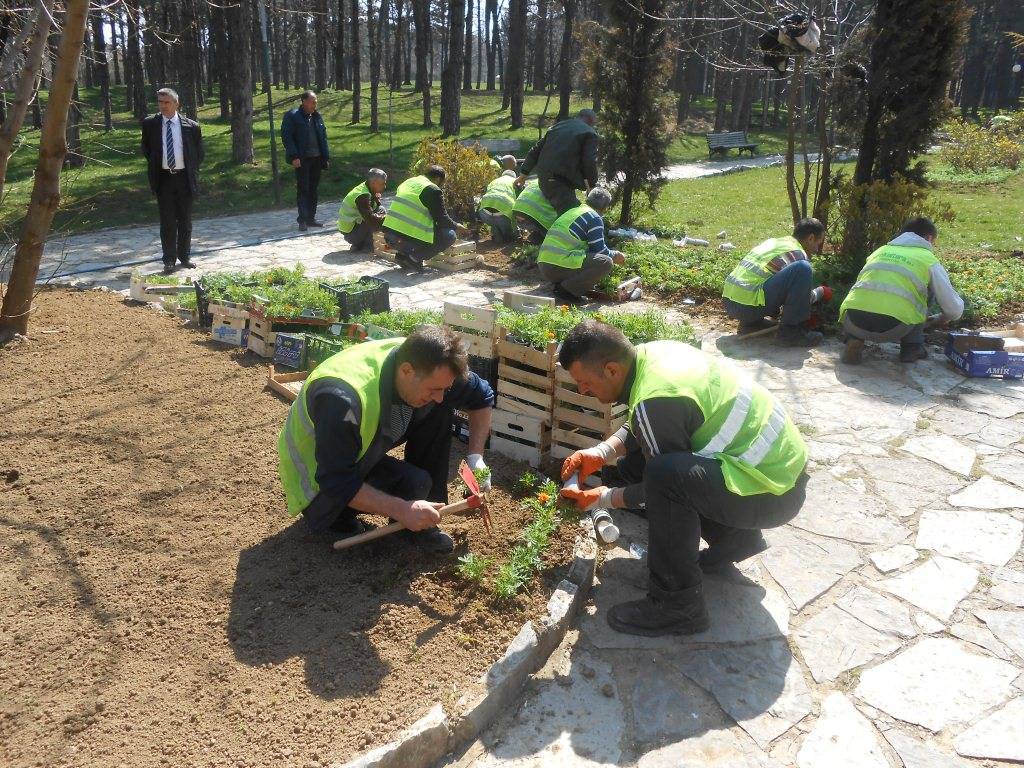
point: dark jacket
(191, 149)
(568, 151)
(295, 131)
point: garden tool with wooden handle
(477, 499)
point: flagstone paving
(884, 627)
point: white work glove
(476, 461)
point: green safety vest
(500, 196)
(360, 368)
(348, 213)
(745, 427)
(531, 202)
(407, 213)
(561, 247)
(745, 284)
(894, 282)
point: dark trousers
(560, 193)
(789, 289)
(871, 326)
(687, 500)
(417, 249)
(307, 181)
(174, 198)
(361, 236)
(534, 232)
(423, 474)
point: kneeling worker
(533, 213)
(574, 255)
(418, 226)
(495, 208)
(361, 213)
(710, 452)
(777, 275)
(889, 301)
(359, 404)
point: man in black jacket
(564, 160)
(173, 147)
(305, 147)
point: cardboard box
(989, 354)
(230, 330)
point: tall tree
(479, 45)
(566, 59)
(320, 33)
(74, 157)
(238, 17)
(374, 30)
(467, 58)
(357, 83)
(540, 47)
(421, 17)
(451, 77)
(399, 48)
(341, 81)
(221, 58)
(134, 62)
(491, 29)
(514, 77)
(101, 75)
(17, 301)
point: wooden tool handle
(361, 538)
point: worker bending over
(418, 226)
(565, 160)
(532, 212)
(710, 452)
(777, 275)
(361, 213)
(359, 404)
(889, 301)
(574, 255)
(495, 208)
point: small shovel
(476, 500)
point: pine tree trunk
(565, 60)
(373, 31)
(396, 52)
(451, 77)
(139, 100)
(286, 51)
(408, 51)
(479, 46)
(74, 157)
(238, 20)
(101, 75)
(90, 69)
(467, 58)
(222, 64)
(421, 17)
(357, 83)
(17, 302)
(188, 59)
(491, 25)
(341, 81)
(540, 47)
(515, 76)
(320, 32)
(115, 22)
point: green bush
(468, 170)
(974, 149)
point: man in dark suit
(173, 146)
(305, 147)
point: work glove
(587, 461)
(476, 461)
(588, 499)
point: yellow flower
(543, 498)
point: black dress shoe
(315, 223)
(167, 270)
(302, 226)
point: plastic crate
(203, 302)
(319, 348)
(290, 350)
(374, 298)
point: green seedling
(526, 482)
(158, 279)
(401, 321)
(472, 567)
(482, 475)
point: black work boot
(346, 526)
(853, 353)
(910, 353)
(431, 540)
(753, 326)
(734, 547)
(409, 262)
(684, 614)
(797, 336)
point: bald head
(509, 163)
(588, 116)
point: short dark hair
(921, 226)
(432, 346)
(806, 227)
(594, 343)
(435, 173)
(307, 94)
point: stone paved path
(883, 628)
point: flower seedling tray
(623, 291)
(374, 297)
(461, 255)
(475, 325)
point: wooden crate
(580, 421)
(526, 379)
(262, 337)
(288, 385)
(520, 437)
(474, 324)
(526, 303)
(460, 256)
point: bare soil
(160, 608)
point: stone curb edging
(436, 734)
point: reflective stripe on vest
(745, 284)
(407, 213)
(894, 282)
(500, 196)
(561, 247)
(348, 213)
(745, 428)
(531, 202)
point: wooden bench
(721, 143)
(493, 146)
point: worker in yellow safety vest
(533, 214)
(495, 207)
(418, 226)
(777, 276)
(708, 451)
(889, 300)
(361, 213)
(359, 404)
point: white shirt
(179, 156)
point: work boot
(753, 326)
(345, 526)
(566, 297)
(854, 351)
(408, 262)
(686, 614)
(913, 352)
(431, 540)
(797, 336)
(735, 547)
(302, 226)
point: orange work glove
(586, 462)
(585, 499)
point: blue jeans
(789, 289)
(417, 249)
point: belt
(176, 170)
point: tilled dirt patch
(160, 608)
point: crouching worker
(710, 452)
(889, 301)
(495, 208)
(361, 213)
(533, 214)
(574, 255)
(418, 226)
(359, 404)
(777, 275)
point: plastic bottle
(607, 530)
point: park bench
(493, 146)
(721, 143)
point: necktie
(170, 146)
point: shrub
(468, 171)
(973, 149)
